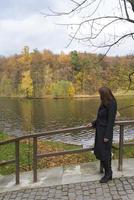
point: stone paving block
(115, 197)
(44, 198)
(86, 198)
(86, 193)
(79, 198)
(65, 198)
(130, 191)
(124, 198)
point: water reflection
(24, 116)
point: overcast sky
(22, 24)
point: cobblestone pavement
(118, 188)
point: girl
(104, 131)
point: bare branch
(75, 2)
(54, 13)
(121, 7)
(73, 37)
(99, 32)
(116, 42)
(125, 6)
(95, 9)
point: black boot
(108, 172)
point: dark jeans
(106, 165)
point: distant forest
(40, 74)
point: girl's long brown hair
(106, 95)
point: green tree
(75, 61)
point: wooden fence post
(121, 139)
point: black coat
(104, 129)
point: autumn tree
(25, 58)
(64, 69)
(37, 73)
(50, 68)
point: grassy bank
(7, 152)
(128, 151)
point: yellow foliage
(48, 89)
(63, 58)
(27, 84)
(71, 90)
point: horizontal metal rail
(7, 162)
(64, 152)
(128, 144)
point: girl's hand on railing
(89, 125)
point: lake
(24, 116)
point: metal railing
(37, 156)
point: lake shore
(97, 95)
(78, 96)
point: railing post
(17, 158)
(121, 139)
(34, 159)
